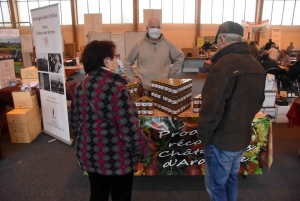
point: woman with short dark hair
(105, 122)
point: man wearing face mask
(154, 55)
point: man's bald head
(153, 23)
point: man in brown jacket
(231, 96)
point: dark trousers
(119, 187)
(285, 81)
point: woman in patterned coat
(104, 120)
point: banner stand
(49, 54)
(71, 142)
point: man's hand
(138, 80)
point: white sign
(257, 26)
(10, 33)
(48, 46)
(276, 36)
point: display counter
(179, 151)
(192, 63)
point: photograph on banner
(42, 62)
(44, 81)
(10, 47)
(57, 85)
(178, 149)
(55, 64)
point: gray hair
(232, 38)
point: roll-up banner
(48, 46)
(276, 36)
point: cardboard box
(30, 72)
(22, 116)
(24, 99)
(28, 80)
(7, 70)
(281, 118)
(282, 110)
(38, 125)
(270, 83)
(23, 137)
(270, 111)
(36, 111)
(21, 127)
(269, 99)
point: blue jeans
(221, 168)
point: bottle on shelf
(248, 39)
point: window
(113, 11)
(281, 12)
(296, 20)
(24, 7)
(5, 13)
(219, 11)
(173, 11)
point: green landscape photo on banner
(10, 47)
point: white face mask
(154, 33)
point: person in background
(283, 59)
(268, 44)
(291, 74)
(262, 54)
(269, 63)
(206, 46)
(154, 55)
(104, 120)
(253, 49)
(231, 96)
(273, 52)
(289, 49)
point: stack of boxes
(132, 88)
(197, 103)
(277, 112)
(171, 96)
(29, 74)
(270, 96)
(24, 122)
(281, 112)
(144, 105)
(7, 71)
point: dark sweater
(267, 64)
(294, 71)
